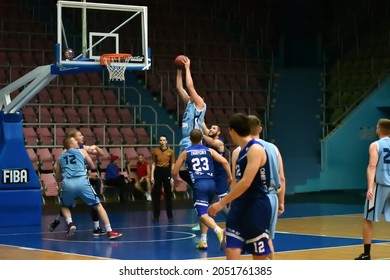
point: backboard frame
(91, 62)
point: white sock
(217, 229)
(69, 220)
(203, 237)
(108, 228)
(95, 225)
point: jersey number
(386, 158)
(70, 159)
(259, 247)
(200, 164)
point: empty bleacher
(356, 57)
(70, 101)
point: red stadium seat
(45, 136)
(49, 187)
(45, 159)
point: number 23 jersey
(200, 163)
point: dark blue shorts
(203, 194)
(247, 225)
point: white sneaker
(148, 197)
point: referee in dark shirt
(163, 161)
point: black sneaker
(363, 257)
(53, 225)
(99, 231)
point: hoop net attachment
(116, 64)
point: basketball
(69, 53)
(179, 60)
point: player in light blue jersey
(194, 112)
(93, 179)
(277, 188)
(70, 171)
(248, 221)
(378, 185)
(200, 163)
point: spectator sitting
(142, 181)
(114, 178)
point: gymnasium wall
(345, 151)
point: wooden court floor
(326, 232)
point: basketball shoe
(113, 234)
(364, 257)
(71, 230)
(53, 225)
(202, 245)
(222, 239)
(98, 232)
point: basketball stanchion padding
(116, 64)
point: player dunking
(194, 111)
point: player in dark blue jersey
(277, 187)
(200, 163)
(212, 139)
(248, 221)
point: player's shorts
(273, 198)
(184, 144)
(221, 186)
(379, 204)
(203, 193)
(247, 225)
(78, 187)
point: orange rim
(107, 58)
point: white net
(116, 66)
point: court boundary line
(24, 248)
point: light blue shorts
(274, 201)
(78, 187)
(378, 205)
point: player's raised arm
(180, 87)
(90, 162)
(199, 102)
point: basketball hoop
(116, 64)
